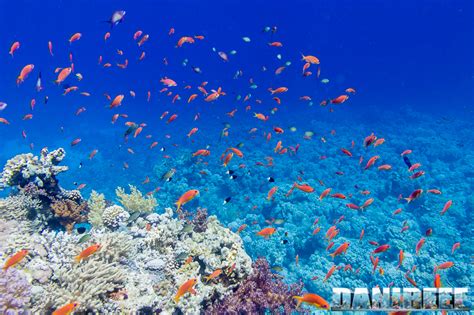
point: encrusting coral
(135, 201)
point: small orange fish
(75, 37)
(15, 259)
(266, 232)
(14, 47)
(87, 252)
(216, 273)
(186, 197)
(117, 101)
(66, 309)
(185, 288)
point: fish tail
(176, 298)
(298, 299)
(77, 259)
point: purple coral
(261, 291)
(15, 291)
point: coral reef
(25, 168)
(114, 217)
(135, 201)
(69, 212)
(262, 291)
(139, 265)
(97, 206)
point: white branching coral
(135, 201)
(96, 204)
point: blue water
(410, 63)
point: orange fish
(75, 37)
(185, 288)
(437, 281)
(419, 245)
(237, 152)
(447, 205)
(310, 59)
(340, 250)
(278, 90)
(329, 273)
(14, 48)
(66, 309)
(117, 101)
(186, 197)
(24, 73)
(313, 300)
(324, 193)
(63, 75)
(15, 259)
(87, 252)
(272, 192)
(216, 273)
(340, 99)
(266, 232)
(371, 161)
(185, 39)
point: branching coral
(135, 201)
(86, 283)
(15, 292)
(259, 293)
(97, 206)
(69, 212)
(27, 168)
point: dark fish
(168, 175)
(230, 172)
(134, 216)
(163, 149)
(130, 129)
(407, 161)
(197, 70)
(84, 238)
(80, 164)
(271, 179)
(116, 18)
(46, 99)
(233, 177)
(226, 200)
(284, 242)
